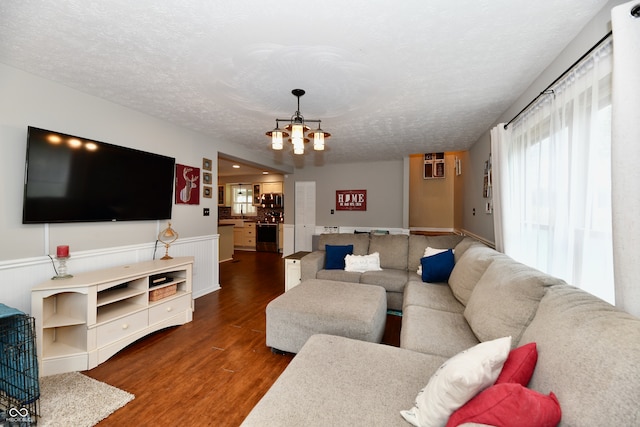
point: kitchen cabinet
(271, 187)
(249, 235)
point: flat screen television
(74, 179)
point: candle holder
(61, 272)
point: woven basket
(167, 291)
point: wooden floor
(213, 370)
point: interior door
(305, 214)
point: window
(555, 181)
(242, 200)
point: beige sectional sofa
(588, 351)
(399, 258)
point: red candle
(62, 251)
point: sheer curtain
(552, 180)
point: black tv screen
(73, 179)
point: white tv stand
(84, 320)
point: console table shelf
(84, 320)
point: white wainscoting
(17, 277)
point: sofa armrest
(312, 263)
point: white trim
(18, 276)
(435, 230)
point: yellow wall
(435, 203)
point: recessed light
(265, 173)
(236, 166)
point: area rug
(73, 399)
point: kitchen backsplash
(264, 214)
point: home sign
(351, 200)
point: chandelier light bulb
(297, 131)
(298, 145)
(276, 140)
(318, 141)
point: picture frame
(206, 164)
(186, 188)
(351, 200)
(434, 166)
(207, 192)
(206, 178)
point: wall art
(351, 200)
(187, 185)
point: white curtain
(626, 155)
(499, 141)
(552, 183)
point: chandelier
(298, 130)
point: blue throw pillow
(336, 255)
(437, 268)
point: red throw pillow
(519, 366)
(509, 405)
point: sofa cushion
(339, 275)
(437, 268)
(519, 366)
(362, 263)
(391, 280)
(509, 405)
(458, 380)
(423, 330)
(468, 270)
(336, 255)
(505, 299)
(360, 242)
(437, 296)
(418, 243)
(393, 250)
(588, 356)
(465, 244)
(336, 381)
(429, 251)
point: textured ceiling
(387, 78)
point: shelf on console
(110, 296)
(111, 312)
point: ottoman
(317, 306)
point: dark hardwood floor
(213, 370)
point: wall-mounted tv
(74, 179)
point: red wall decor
(186, 185)
(351, 200)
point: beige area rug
(74, 399)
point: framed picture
(206, 164)
(351, 200)
(220, 195)
(434, 166)
(186, 182)
(207, 192)
(206, 178)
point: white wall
(482, 224)
(28, 100)
(384, 182)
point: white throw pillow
(429, 252)
(362, 263)
(457, 381)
